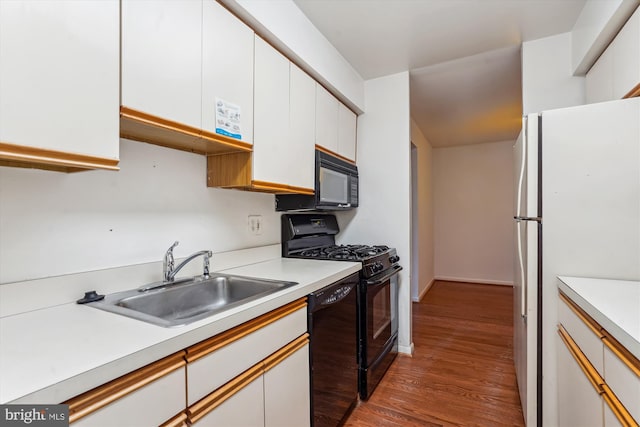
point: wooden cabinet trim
(210, 345)
(234, 170)
(617, 407)
(89, 402)
(219, 396)
(179, 420)
(140, 126)
(286, 351)
(618, 349)
(22, 156)
(586, 319)
(333, 153)
(633, 92)
(590, 372)
(273, 187)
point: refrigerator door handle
(527, 218)
(523, 283)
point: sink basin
(187, 301)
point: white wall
(384, 215)
(54, 223)
(547, 75)
(473, 204)
(284, 25)
(596, 26)
(425, 267)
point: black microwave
(336, 187)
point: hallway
(461, 373)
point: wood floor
(461, 373)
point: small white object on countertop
(614, 304)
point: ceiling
(463, 55)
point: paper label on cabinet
(228, 119)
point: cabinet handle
(286, 351)
(590, 372)
(586, 319)
(86, 403)
(215, 399)
(622, 353)
(210, 345)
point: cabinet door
(162, 58)
(579, 404)
(227, 68)
(301, 154)
(59, 75)
(244, 409)
(327, 107)
(271, 114)
(286, 392)
(346, 132)
(626, 57)
(150, 405)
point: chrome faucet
(169, 271)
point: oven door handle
(377, 281)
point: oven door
(380, 314)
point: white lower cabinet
(255, 374)
(286, 392)
(151, 395)
(579, 402)
(245, 408)
(598, 379)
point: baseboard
(406, 349)
(479, 281)
(424, 291)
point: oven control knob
(394, 259)
(377, 267)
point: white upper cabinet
(347, 133)
(227, 70)
(302, 109)
(162, 58)
(59, 81)
(335, 125)
(271, 114)
(284, 117)
(616, 74)
(326, 119)
(626, 58)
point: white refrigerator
(577, 213)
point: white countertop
(52, 354)
(614, 304)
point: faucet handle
(169, 262)
(207, 257)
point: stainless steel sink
(187, 301)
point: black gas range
(312, 236)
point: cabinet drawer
(584, 332)
(623, 381)
(238, 349)
(148, 396)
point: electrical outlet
(255, 224)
